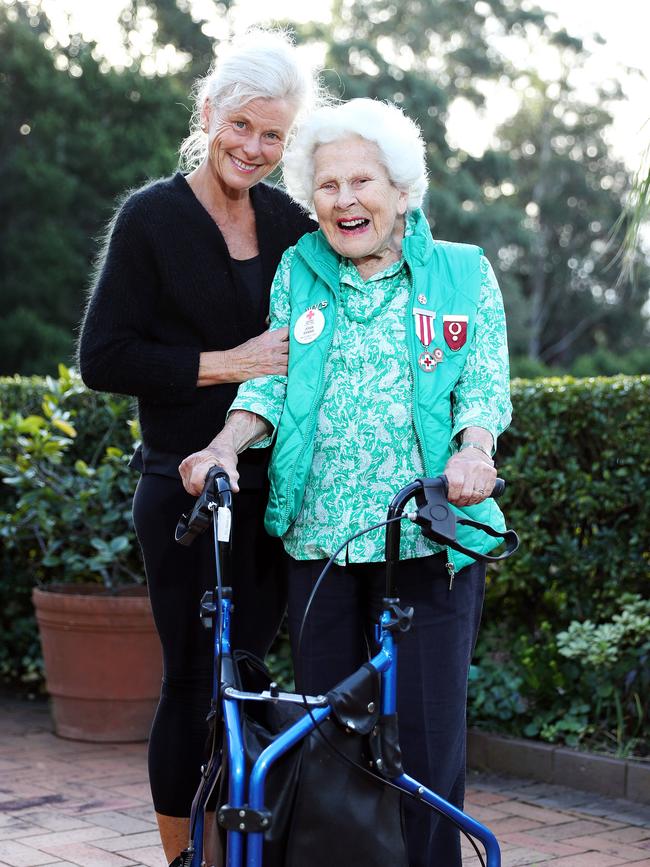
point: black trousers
(434, 659)
(177, 578)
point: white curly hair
(400, 143)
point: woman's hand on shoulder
(264, 355)
(471, 476)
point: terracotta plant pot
(102, 660)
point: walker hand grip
(499, 488)
(216, 490)
(439, 521)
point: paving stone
(529, 811)
(18, 830)
(144, 812)
(125, 842)
(52, 820)
(137, 791)
(150, 856)
(484, 799)
(85, 855)
(538, 841)
(638, 836)
(17, 854)
(123, 823)
(588, 859)
(600, 843)
(626, 812)
(520, 857)
(485, 815)
(513, 823)
(552, 795)
(48, 842)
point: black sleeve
(116, 352)
(305, 224)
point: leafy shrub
(64, 517)
(588, 685)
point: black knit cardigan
(164, 293)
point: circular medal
(437, 354)
(309, 326)
(427, 362)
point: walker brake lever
(438, 520)
(216, 493)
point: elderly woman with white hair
(178, 318)
(398, 368)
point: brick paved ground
(69, 804)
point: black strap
(439, 521)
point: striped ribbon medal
(428, 361)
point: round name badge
(309, 326)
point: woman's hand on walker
(471, 477)
(195, 467)
(241, 430)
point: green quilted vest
(447, 281)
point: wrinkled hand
(195, 467)
(471, 476)
(264, 355)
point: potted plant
(71, 522)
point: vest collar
(418, 246)
(315, 250)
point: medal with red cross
(428, 360)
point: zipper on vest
(451, 569)
(418, 439)
(310, 425)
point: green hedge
(577, 462)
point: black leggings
(177, 578)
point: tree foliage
(541, 200)
(73, 138)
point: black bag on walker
(324, 810)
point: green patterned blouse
(365, 447)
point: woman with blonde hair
(178, 318)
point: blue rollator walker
(238, 782)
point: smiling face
(358, 207)
(247, 143)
